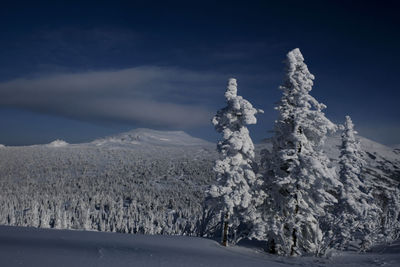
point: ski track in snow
(21, 246)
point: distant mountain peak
(58, 143)
(143, 136)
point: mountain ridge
(144, 136)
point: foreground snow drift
(40, 247)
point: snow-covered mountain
(381, 160)
(57, 143)
(142, 181)
(145, 137)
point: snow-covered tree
(387, 195)
(300, 181)
(237, 182)
(355, 215)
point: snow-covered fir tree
(238, 184)
(300, 181)
(355, 214)
(387, 197)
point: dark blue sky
(80, 71)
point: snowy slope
(151, 137)
(376, 152)
(382, 161)
(35, 247)
(40, 247)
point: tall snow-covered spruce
(299, 178)
(356, 214)
(237, 181)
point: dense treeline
(154, 190)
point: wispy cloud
(72, 81)
(154, 96)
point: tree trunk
(294, 239)
(294, 234)
(225, 234)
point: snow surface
(21, 246)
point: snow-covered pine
(237, 184)
(299, 179)
(385, 187)
(355, 216)
(387, 196)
